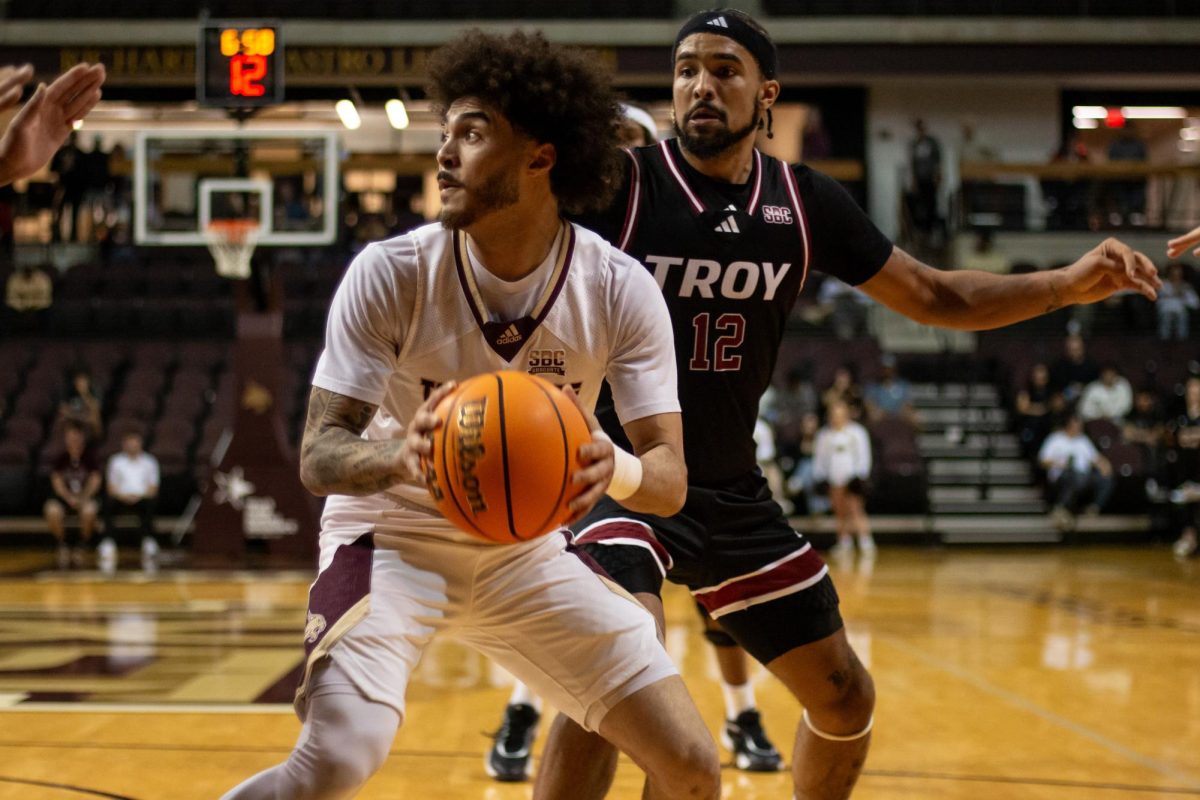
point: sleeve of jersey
(845, 242)
(362, 333)
(641, 363)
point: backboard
(286, 180)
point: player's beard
(713, 144)
(490, 194)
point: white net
(231, 243)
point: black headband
(731, 26)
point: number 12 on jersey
(730, 330)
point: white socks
(737, 699)
(522, 696)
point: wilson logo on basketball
(470, 450)
(506, 453)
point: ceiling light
(348, 114)
(1154, 112)
(397, 114)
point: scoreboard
(239, 64)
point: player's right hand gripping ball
(504, 455)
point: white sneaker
(843, 549)
(63, 556)
(866, 545)
(106, 555)
(149, 549)
(1185, 546)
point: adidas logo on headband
(719, 22)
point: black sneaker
(746, 739)
(509, 758)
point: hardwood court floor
(1013, 674)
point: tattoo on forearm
(332, 456)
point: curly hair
(551, 94)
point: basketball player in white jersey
(503, 283)
(45, 121)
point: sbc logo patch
(777, 215)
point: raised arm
(335, 459)
(46, 120)
(973, 300)
(1177, 246)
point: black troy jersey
(731, 261)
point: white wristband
(627, 470)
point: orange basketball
(504, 455)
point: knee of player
(854, 703)
(694, 770)
(352, 763)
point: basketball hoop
(231, 242)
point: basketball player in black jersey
(731, 235)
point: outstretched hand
(44, 123)
(12, 81)
(1177, 246)
(1111, 267)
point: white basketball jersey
(413, 313)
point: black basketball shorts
(734, 550)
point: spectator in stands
(1036, 405)
(1075, 470)
(816, 144)
(132, 478)
(985, 257)
(637, 126)
(767, 455)
(891, 396)
(846, 307)
(1176, 300)
(842, 460)
(81, 405)
(1145, 428)
(1184, 435)
(45, 121)
(69, 166)
(844, 389)
(972, 147)
(802, 479)
(95, 195)
(29, 290)
(1074, 370)
(74, 483)
(1109, 397)
(786, 407)
(925, 165)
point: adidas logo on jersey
(510, 336)
(718, 22)
(730, 224)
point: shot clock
(240, 64)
